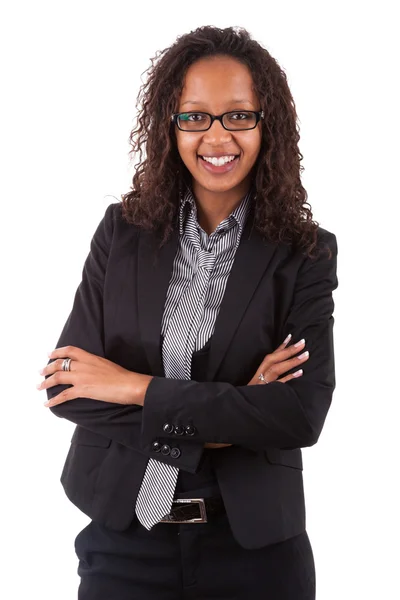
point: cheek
(187, 146)
(251, 146)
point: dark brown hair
(281, 210)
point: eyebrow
(199, 101)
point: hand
(279, 362)
(92, 376)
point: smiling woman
(188, 465)
(197, 97)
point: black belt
(194, 510)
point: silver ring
(66, 364)
(262, 378)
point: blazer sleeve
(84, 328)
(281, 415)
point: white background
(70, 74)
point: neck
(214, 207)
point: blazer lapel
(152, 286)
(251, 260)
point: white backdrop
(70, 75)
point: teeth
(218, 162)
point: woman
(209, 281)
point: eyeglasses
(237, 120)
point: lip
(218, 154)
(214, 169)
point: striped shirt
(200, 254)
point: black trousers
(199, 561)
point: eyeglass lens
(233, 120)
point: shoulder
(321, 270)
(115, 219)
(326, 238)
(115, 232)
(324, 249)
(114, 212)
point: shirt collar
(238, 216)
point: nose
(217, 133)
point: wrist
(138, 387)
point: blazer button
(168, 428)
(190, 430)
(156, 446)
(175, 453)
(179, 430)
(165, 450)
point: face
(217, 85)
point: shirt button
(175, 453)
(179, 430)
(156, 446)
(165, 450)
(190, 430)
(168, 428)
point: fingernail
(303, 355)
(287, 339)
(298, 373)
(300, 343)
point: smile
(221, 164)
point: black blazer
(272, 290)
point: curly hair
(281, 213)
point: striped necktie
(157, 490)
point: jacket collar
(252, 258)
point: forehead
(221, 79)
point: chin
(224, 185)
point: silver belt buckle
(202, 508)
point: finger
(64, 396)
(284, 343)
(256, 379)
(59, 377)
(276, 370)
(71, 352)
(286, 353)
(282, 367)
(56, 365)
(292, 363)
(281, 355)
(295, 375)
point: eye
(193, 117)
(239, 116)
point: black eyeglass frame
(259, 115)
